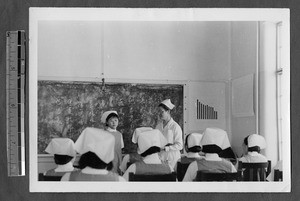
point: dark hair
(194, 149)
(211, 148)
(150, 151)
(246, 140)
(90, 159)
(255, 148)
(111, 115)
(164, 107)
(62, 159)
(227, 153)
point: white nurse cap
(194, 139)
(149, 139)
(215, 136)
(168, 103)
(105, 115)
(138, 131)
(257, 140)
(61, 146)
(98, 141)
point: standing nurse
(172, 132)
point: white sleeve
(132, 168)
(191, 172)
(122, 141)
(66, 177)
(121, 179)
(171, 168)
(178, 144)
(125, 160)
(233, 168)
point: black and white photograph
(159, 100)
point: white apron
(173, 134)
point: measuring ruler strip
(15, 105)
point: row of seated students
(96, 147)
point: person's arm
(125, 160)
(178, 144)
(66, 177)
(121, 179)
(122, 141)
(191, 172)
(233, 168)
(132, 168)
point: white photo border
(166, 14)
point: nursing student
(149, 145)
(96, 147)
(64, 156)
(171, 131)
(255, 144)
(212, 144)
(133, 157)
(192, 147)
(111, 121)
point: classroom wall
(268, 96)
(243, 62)
(134, 50)
(247, 49)
(167, 50)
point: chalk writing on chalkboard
(66, 108)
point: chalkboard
(66, 108)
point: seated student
(255, 144)
(133, 157)
(245, 146)
(227, 151)
(192, 147)
(111, 121)
(64, 156)
(96, 147)
(212, 144)
(149, 145)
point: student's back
(212, 144)
(96, 147)
(149, 144)
(144, 168)
(253, 157)
(255, 144)
(80, 176)
(214, 166)
(64, 154)
(52, 172)
(212, 163)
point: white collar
(89, 170)
(193, 155)
(168, 123)
(111, 130)
(65, 168)
(152, 159)
(212, 157)
(253, 153)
